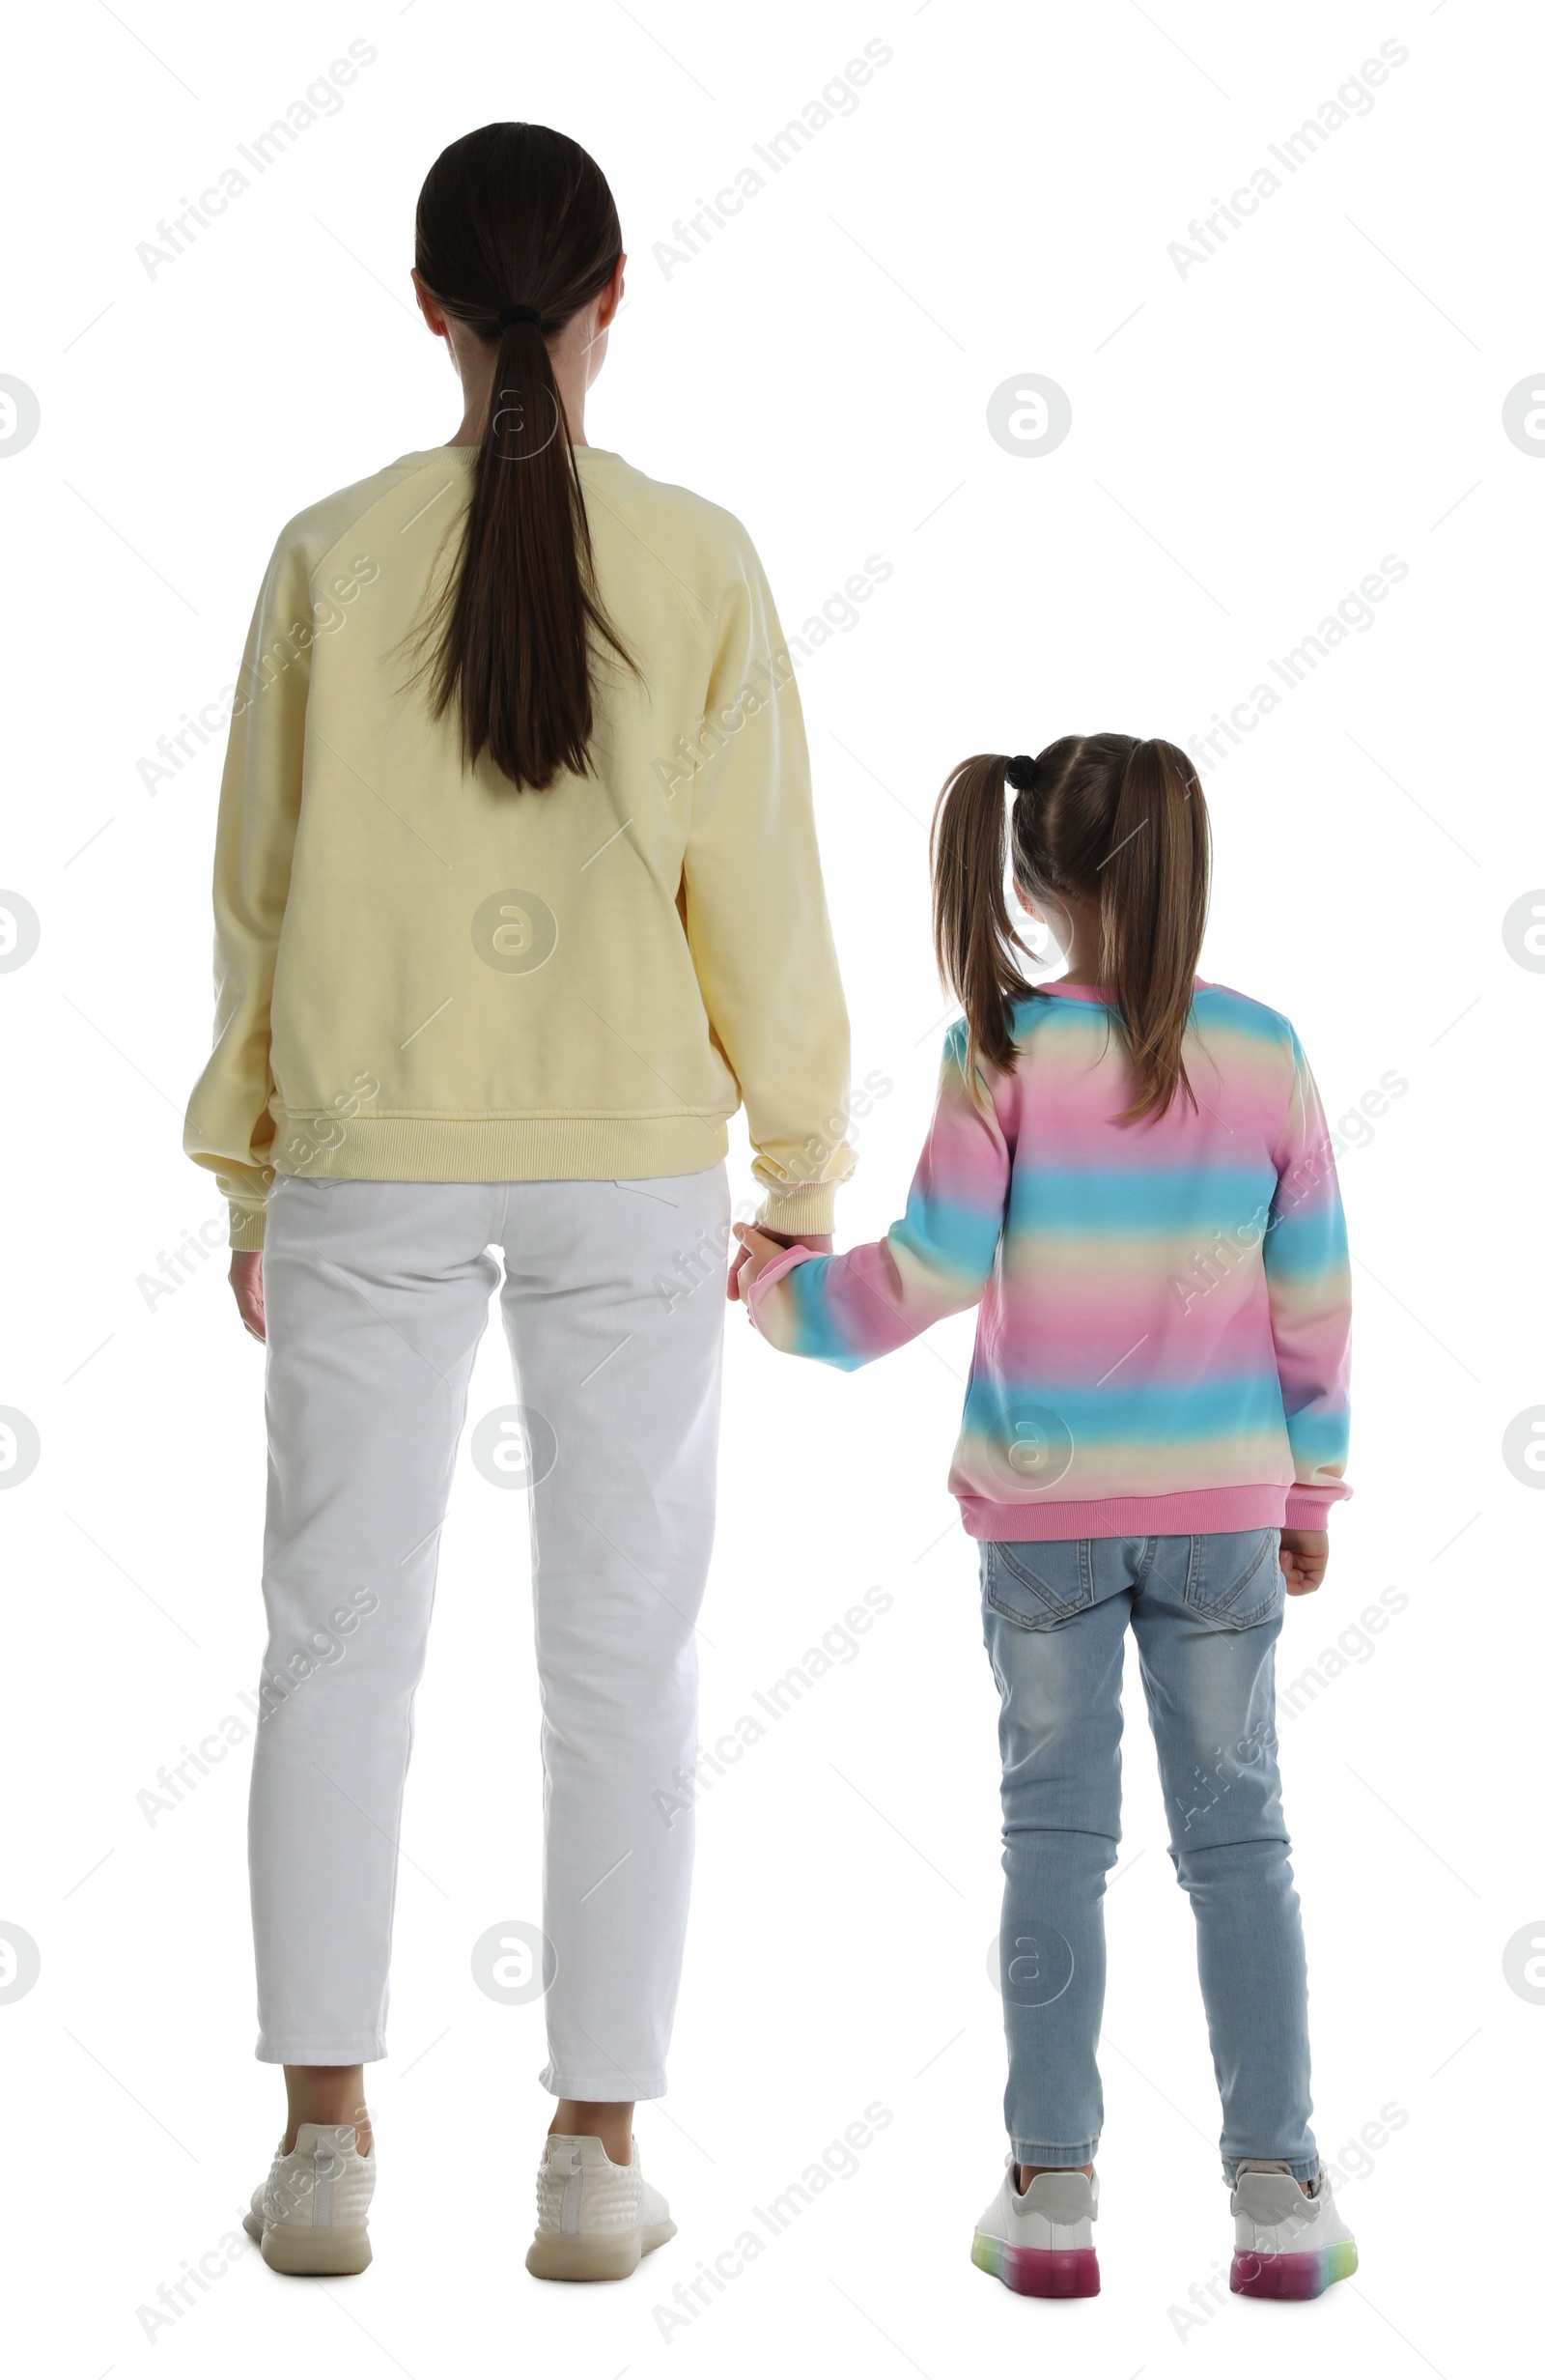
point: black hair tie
(519, 314)
(1021, 773)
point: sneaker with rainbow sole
(1040, 2242)
(1288, 2243)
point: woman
(517, 897)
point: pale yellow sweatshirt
(425, 976)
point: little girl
(1128, 1171)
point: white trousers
(377, 1296)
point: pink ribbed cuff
(1307, 1507)
(783, 1262)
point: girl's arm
(1309, 1285)
(845, 1310)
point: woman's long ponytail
(974, 941)
(517, 231)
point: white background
(1249, 440)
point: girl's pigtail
(974, 941)
(1153, 910)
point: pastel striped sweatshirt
(1162, 1337)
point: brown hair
(1106, 819)
(516, 218)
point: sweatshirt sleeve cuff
(246, 1227)
(809, 1206)
(1308, 1507)
(783, 1263)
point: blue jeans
(1206, 1612)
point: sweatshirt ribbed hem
(536, 1149)
(1196, 1513)
(515, 1148)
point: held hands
(759, 1248)
(1305, 1556)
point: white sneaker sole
(288, 2249)
(595, 2255)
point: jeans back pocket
(1234, 1578)
(1036, 1585)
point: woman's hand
(1305, 1557)
(758, 1250)
(246, 1279)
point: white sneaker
(1040, 2243)
(311, 2213)
(1286, 2243)
(594, 2219)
